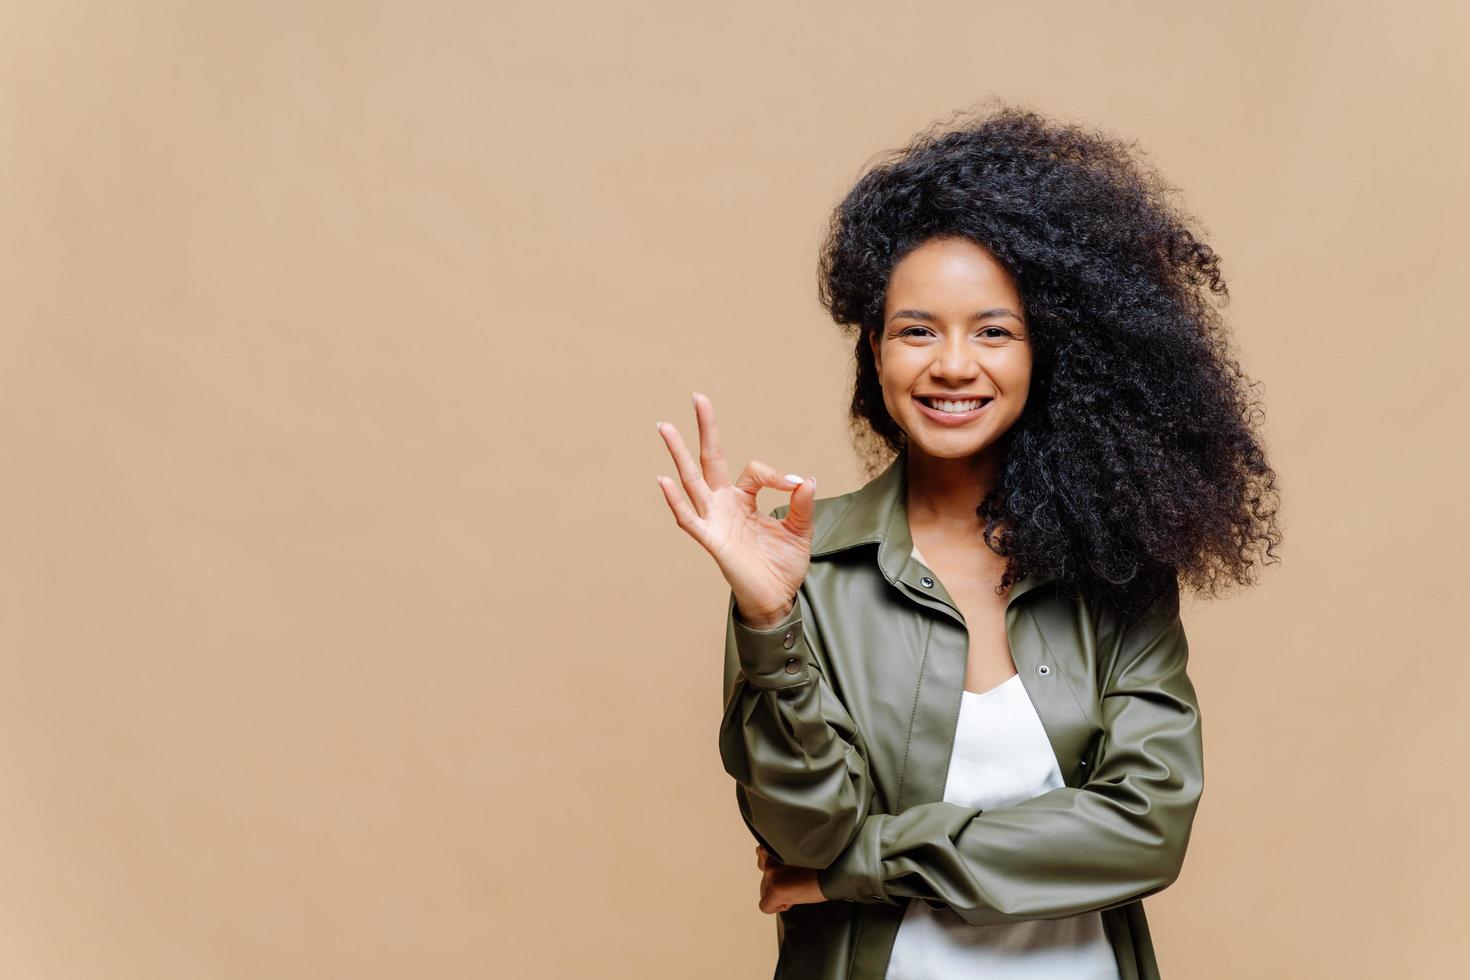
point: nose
(957, 361)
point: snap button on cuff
(793, 665)
(789, 640)
(1043, 670)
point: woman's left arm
(1118, 838)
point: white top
(1001, 756)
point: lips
(942, 417)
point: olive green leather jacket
(838, 725)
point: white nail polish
(792, 478)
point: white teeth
(947, 406)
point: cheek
(896, 395)
(893, 375)
(1016, 374)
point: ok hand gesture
(764, 560)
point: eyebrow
(982, 315)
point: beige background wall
(344, 629)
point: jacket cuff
(777, 657)
(857, 874)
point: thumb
(803, 501)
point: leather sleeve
(1117, 838)
(799, 764)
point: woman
(957, 711)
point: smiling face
(953, 333)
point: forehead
(949, 270)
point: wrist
(776, 655)
(764, 620)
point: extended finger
(689, 471)
(711, 456)
(684, 515)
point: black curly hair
(1135, 463)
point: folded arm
(1120, 837)
(799, 764)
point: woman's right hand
(764, 560)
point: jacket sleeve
(1118, 838)
(799, 763)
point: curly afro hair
(1135, 463)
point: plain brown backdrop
(344, 629)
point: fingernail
(792, 478)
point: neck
(944, 493)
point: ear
(874, 344)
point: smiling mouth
(953, 407)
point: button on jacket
(839, 723)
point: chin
(950, 451)
(954, 447)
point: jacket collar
(877, 513)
